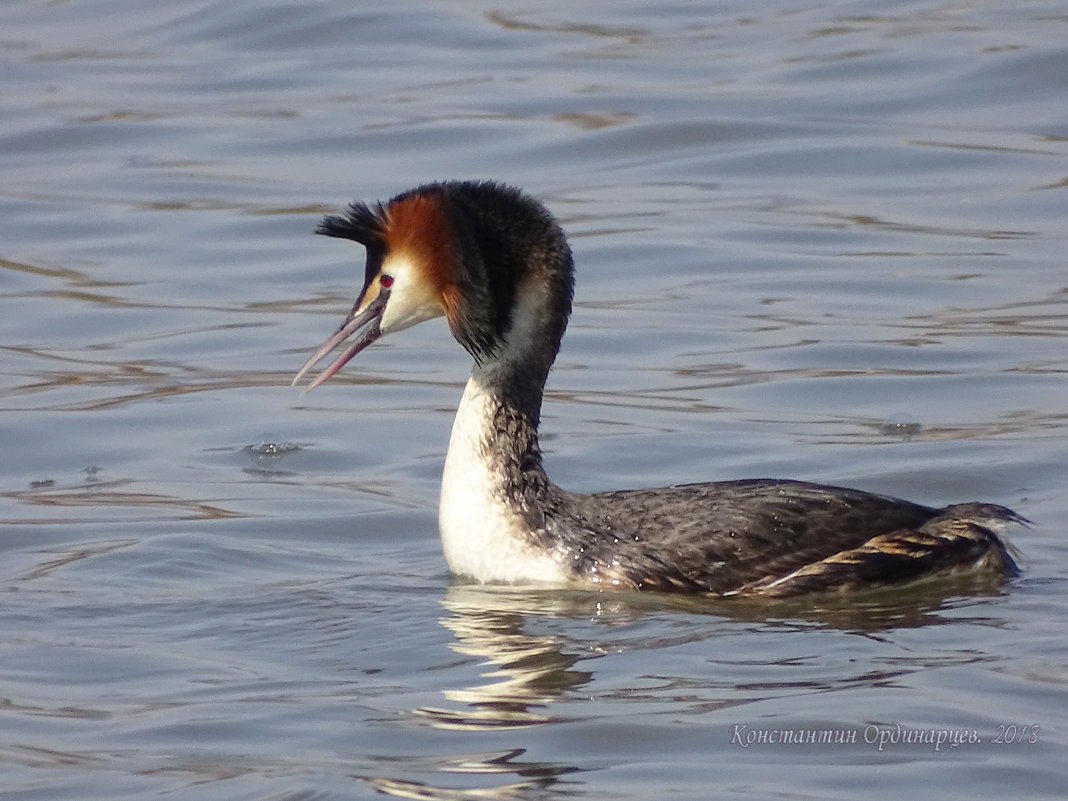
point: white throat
(481, 532)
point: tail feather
(959, 537)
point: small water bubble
(268, 451)
(902, 426)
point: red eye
(386, 281)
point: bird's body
(496, 264)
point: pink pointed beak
(362, 325)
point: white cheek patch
(412, 298)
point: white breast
(480, 533)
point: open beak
(362, 326)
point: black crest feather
(361, 223)
(367, 226)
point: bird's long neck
(497, 424)
(495, 433)
(494, 491)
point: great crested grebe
(497, 265)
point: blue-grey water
(815, 240)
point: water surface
(823, 242)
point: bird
(495, 262)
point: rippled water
(823, 241)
